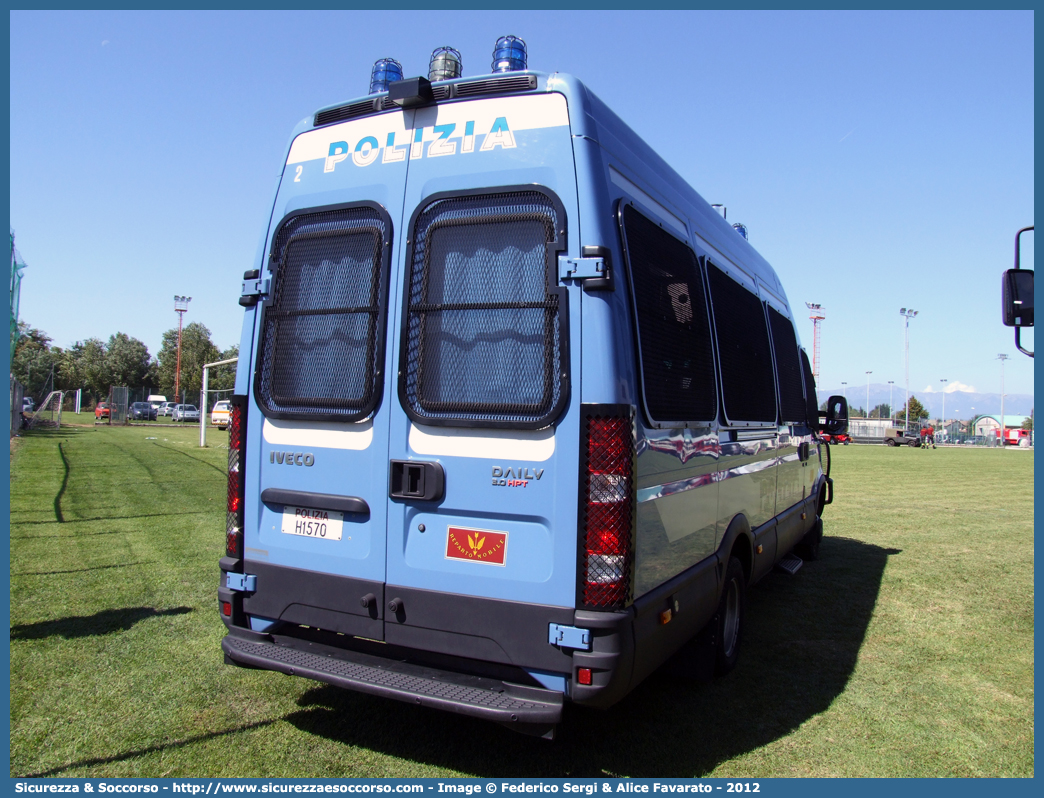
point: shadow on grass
(220, 470)
(98, 518)
(107, 760)
(101, 623)
(53, 432)
(84, 570)
(800, 647)
(65, 484)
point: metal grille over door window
(484, 342)
(321, 348)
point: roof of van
(638, 163)
(600, 123)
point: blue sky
(880, 160)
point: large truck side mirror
(836, 416)
(1017, 294)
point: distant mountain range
(959, 404)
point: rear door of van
(316, 515)
(482, 468)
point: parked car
(166, 409)
(900, 437)
(28, 405)
(185, 413)
(841, 437)
(219, 415)
(142, 411)
(101, 411)
(156, 400)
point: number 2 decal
(297, 178)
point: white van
(518, 414)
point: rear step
(791, 564)
(530, 710)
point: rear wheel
(891, 442)
(730, 618)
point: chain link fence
(119, 402)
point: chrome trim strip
(691, 483)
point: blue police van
(518, 416)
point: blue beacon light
(741, 229)
(509, 55)
(385, 71)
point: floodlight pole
(907, 314)
(180, 306)
(1002, 358)
(816, 315)
(944, 404)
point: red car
(841, 437)
(101, 411)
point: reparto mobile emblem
(476, 545)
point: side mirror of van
(1017, 293)
(836, 416)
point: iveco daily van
(518, 415)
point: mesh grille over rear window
(483, 342)
(788, 367)
(673, 323)
(748, 388)
(320, 353)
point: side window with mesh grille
(677, 358)
(484, 342)
(322, 337)
(788, 368)
(747, 383)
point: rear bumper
(456, 634)
(480, 697)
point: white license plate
(323, 524)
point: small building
(989, 425)
(870, 427)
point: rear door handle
(316, 501)
(417, 480)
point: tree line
(94, 365)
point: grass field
(906, 650)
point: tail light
(607, 492)
(236, 466)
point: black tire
(808, 548)
(891, 442)
(729, 620)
